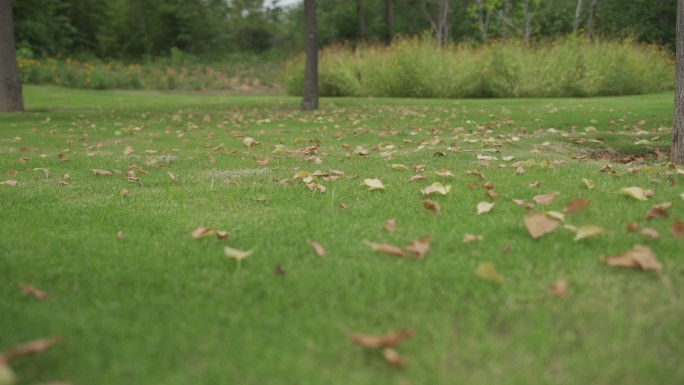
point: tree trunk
(389, 22)
(483, 19)
(310, 99)
(11, 99)
(591, 19)
(678, 126)
(527, 19)
(443, 23)
(578, 17)
(362, 20)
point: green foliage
(417, 68)
(179, 71)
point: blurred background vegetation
(248, 45)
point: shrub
(416, 67)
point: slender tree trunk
(310, 99)
(591, 19)
(678, 127)
(527, 20)
(483, 19)
(389, 22)
(11, 99)
(443, 23)
(362, 20)
(578, 17)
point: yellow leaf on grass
(470, 238)
(249, 142)
(320, 250)
(634, 192)
(436, 188)
(488, 271)
(443, 172)
(374, 184)
(589, 231)
(400, 167)
(7, 376)
(484, 207)
(10, 182)
(539, 224)
(639, 257)
(101, 172)
(393, 358)
(202, 232)
(239, 255)
(589, 183)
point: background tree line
(142, 29)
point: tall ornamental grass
(157, 75)
(416, 67)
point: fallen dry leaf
(484, 207)
(559, 288)
(45, 171)
(249, 142)
(470, 238)
(101, 172)
(444, 172)
(10, 182)
(677, 229)
(7, 376)
(320, 250)
(545, 199)
(388, 340)
(386, 248)
(589, 231)
(120, 235)
(633, 227)
(173, 177)
(521, 203)
(30, 290)
(263, 161)
(239, 255)
(400, 167)
(390, 225)
(588, 183)
(417, 178)
(419, 248)
(487, 270)
(29, 348)
(650, 232)
(374, 184)
(658, 211)
(393, 358)
(576, 205)
(436, 187)
(540, 224)
(634, 192)
(202, 232)
(639, 257)
(432, 206)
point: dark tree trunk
(310, 100)
(389, 22)
(362, 20)
(11, 99)
(678, 126)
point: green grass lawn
(158, 307)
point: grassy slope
(161, 308)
